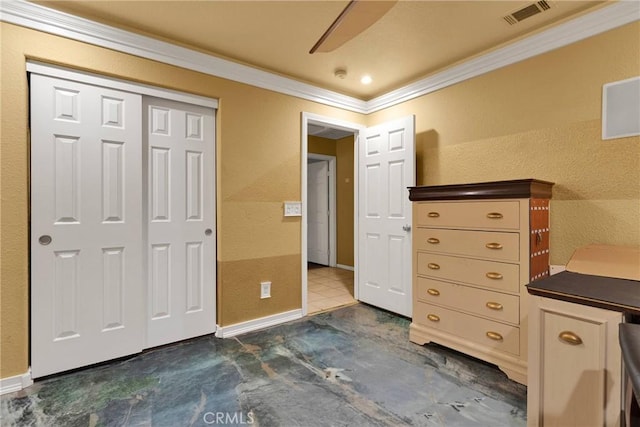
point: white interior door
(318, 212)
(86, 221)
(386, 167)
(181, 220)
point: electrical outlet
(265, 290)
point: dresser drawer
(491, 215)
(490, 274)
(486, 244)
(481, 331)
(495, 305)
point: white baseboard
(16, 383)
(554, 269)
(261, 323)
(345, 267)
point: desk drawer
(489, 274)
(495, 305)
(482, 331)
(490, 215)
(486, 244)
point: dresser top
(596, 291)
(515, 189)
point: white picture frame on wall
(621, 109)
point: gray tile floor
(350, 367)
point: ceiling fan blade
(354, 19)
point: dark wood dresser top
(596, 291)
(515, 189)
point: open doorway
(328, 281)
(384, 166)
(321, 204)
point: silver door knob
(406, 227)
(44, 240)
(208, 232)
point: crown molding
(33, 16)
(36, 17)
(599, 21)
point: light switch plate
(292, 208)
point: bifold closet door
(180, 216)
(87, 285)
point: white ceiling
(413, 40)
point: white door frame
(310, 118)
(332, 203)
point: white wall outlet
(265, 290)
(292, 208)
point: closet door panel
(180, 216)
(86, 222)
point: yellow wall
(540, 118)
(342, 149)
(344, 201)
(258, 167)
(318, 145)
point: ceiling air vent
(527, 12)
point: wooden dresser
(475, 247)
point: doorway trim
(332, 203)
(356, 128)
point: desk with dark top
(603, 292)
(611, 294)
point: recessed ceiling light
(366, 79)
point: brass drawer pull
(433, 240)
(493, 245)
(433, 317)
(494, 276)
(494, 305)
(494, 336)
(570, 338)
(433, 215)
(433, 292)
(433, 266)
(494, 215)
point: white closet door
(86, 221)
(181, 220)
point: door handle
(45, 239)
(208, 232)
(406, 227)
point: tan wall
(258, 167)
(318, 145)
(540, 118)
(344, 201)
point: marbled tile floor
(350, 367)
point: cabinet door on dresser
(574, 365)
